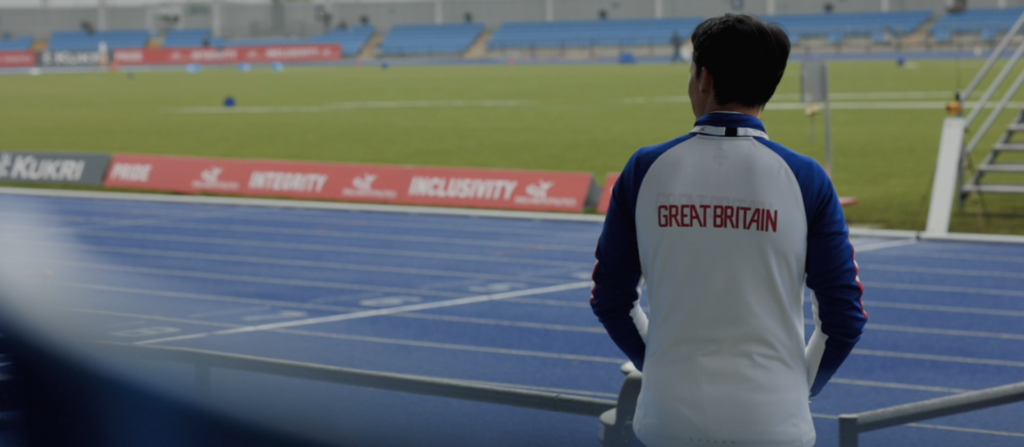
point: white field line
(300, 263)
(946, 309)
(945, 289)
(356, 105)
(374, 236)
(942, 271)
(388, 311)
(252, 279)
(338, 249)
(939, 358)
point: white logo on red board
(131, 172)
(287, 181)
(537, 194)
(209, 178)
(363, 188)
(462, 188)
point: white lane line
(900, 386)
(32, 230)
(388, 311)
(544, 302)
(942, 271)
(459, 347)
(883, 245)
(941, 427)
(968, 430)
(947, 309)
(374, 236)
(939, 358)
(937, 331)
(956, 256)
(945, 289)
(299, 263)
(339, 249)
(520, 324)
(228, 312)
(382, 223)
(250, 279)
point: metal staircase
(990, 164)
(1006, 143)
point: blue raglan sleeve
(617, 274)
(833, 276)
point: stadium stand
(985, 22)
(836, 27)
(590, 33)
(20, 44)
(425, 40)
(352, 40)
(81, 41)
(190, 38)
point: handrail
(991, 90)
(431, 386)
(976, 139)
(852, 425)
(966, 93)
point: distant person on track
(677, 47)
(726, 227)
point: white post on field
(885, 5)
(549, 10)
(101, 15)
(770, 7)
(659, 9)
(216, 16)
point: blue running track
(945, 316)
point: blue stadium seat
(81, 41)
(987, 23)
(569, 34)
(836, 26)
(187, 38)
(421, 40)
(23, 43)
(351, 40)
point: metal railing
(612, 434)
(991, 90)
(852, 425)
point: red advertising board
(230, 55)
(9, 59)
(476, 188)
(606, 193)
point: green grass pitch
(886, 122)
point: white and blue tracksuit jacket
(726, 228)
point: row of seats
(351, 40)
(82, 41)
(19, 44)
(985, 22)
(420, 40)
(837, 26)
(591, 33)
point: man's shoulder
(646, 155)
(801, 165)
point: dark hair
(745, 56)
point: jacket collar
(730, 124)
